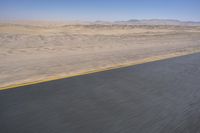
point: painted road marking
(86, 72)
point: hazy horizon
(99, 21)
(95, 10)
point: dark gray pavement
(158, 97)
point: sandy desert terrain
(35, 52)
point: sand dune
(32, 52)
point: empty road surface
(157, 97)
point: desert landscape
(36, 51)
(99, 66)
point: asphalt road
(158, 97)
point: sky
(105, 10)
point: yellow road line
(142, 61)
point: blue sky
(92, 10)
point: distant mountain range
(129, 22)
(151, 22)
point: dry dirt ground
(35, 52)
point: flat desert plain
(36, 52)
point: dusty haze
(31, 52)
